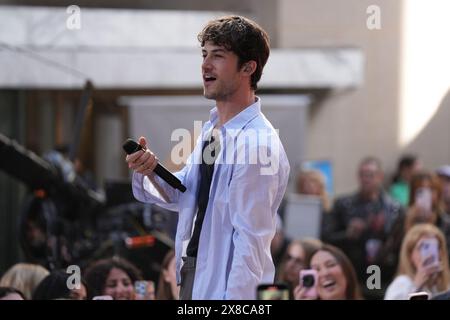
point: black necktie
(209, 154)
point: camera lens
(308, 281)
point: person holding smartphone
(296, 258)
(331, 277)
(423, 264)
(425, 201)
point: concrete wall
(262, 11)
(370, 120)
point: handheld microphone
(131, 146)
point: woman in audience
(417, 271)
(336, 277)
(425, 201)
(297, 257)
(167, 284)
(55, 286)
(312, 182)
(24, 277)
(279, 244)
(113, 277)
(425, 206)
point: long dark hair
(407, 161)
(164, 289)
(97, 273)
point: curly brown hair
(242, 36)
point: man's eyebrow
(218, 50)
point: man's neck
(229, 108)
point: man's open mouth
(208, 78)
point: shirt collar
(239, 120)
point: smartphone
(102, 298)
(277, 291)
(144, 290)
(423, 198)
(419, 296)
(429, 251)
(308, 280)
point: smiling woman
(336, 276)
(114, 277)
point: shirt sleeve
(252, 199)
(400, 288)
(145, 191)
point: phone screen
(144, 290)
(273, 292)
(423, 198)
(429, 251)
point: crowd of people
(402, 227)
(112, 278)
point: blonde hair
(318, 178)
(406, 267)
(24, 277)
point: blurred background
(339, 86)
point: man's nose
(206, 64)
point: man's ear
(249, 67)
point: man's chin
(209, 95)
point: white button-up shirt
(250, 178)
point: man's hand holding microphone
(143, 161)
